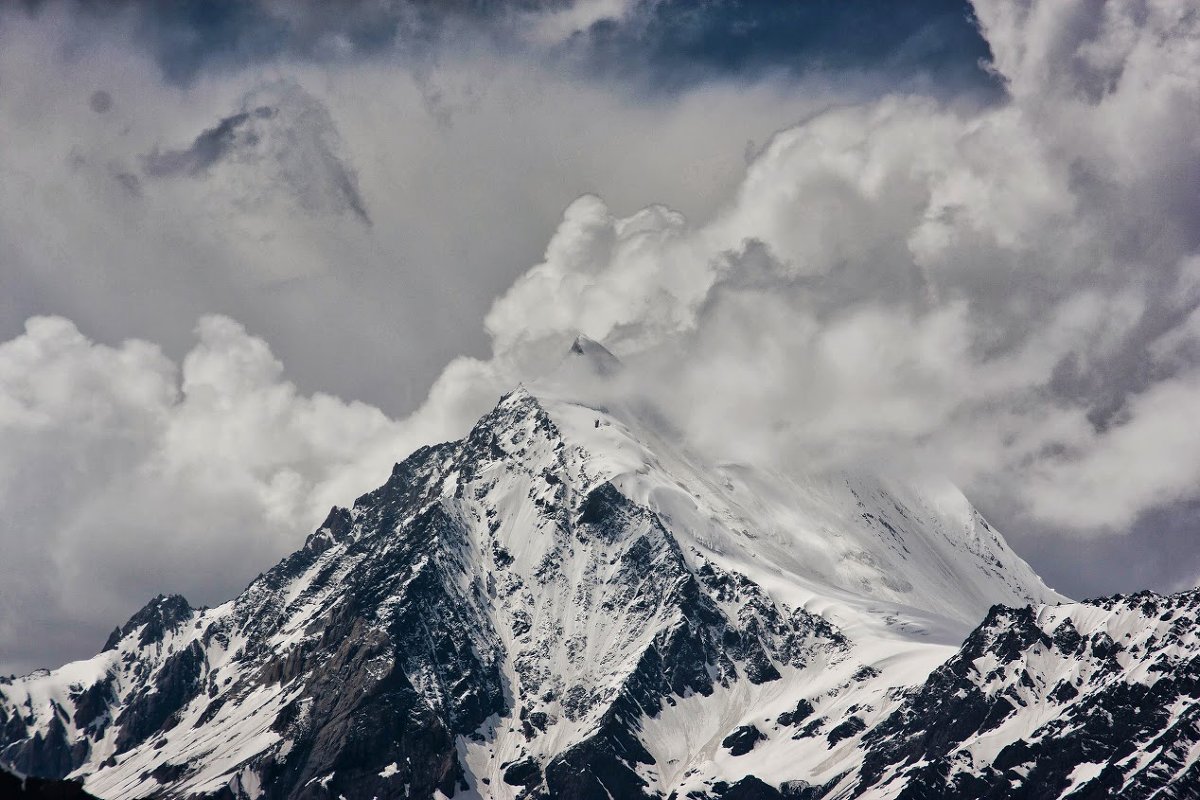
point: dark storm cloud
(681, 42)
(664, 45)
(190, 37)
(129, 182)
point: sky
(253, 252)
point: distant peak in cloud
(595, 355)
(283, 141)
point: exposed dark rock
(525, 772)
(152, 709)
(742, 740)
(750, 788)
(14, 788)
(48, 755)
(797, 715)
(851, 727)
(92, 707)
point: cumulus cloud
(246, 192)
(283, 142)
(1007, 294)
(125, 474)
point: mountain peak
(563, 604)
(599, 358)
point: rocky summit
(567, 603)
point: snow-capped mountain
(568, 604)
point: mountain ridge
(561, 604)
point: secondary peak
(597, 356)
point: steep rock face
(1097, 699)
(604, 615)
(302, 686)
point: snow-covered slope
(861, 541)
(566, 604)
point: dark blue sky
(676, 43)
(662, 45)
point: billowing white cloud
(248, 192)
(981, 292)
(124, 475)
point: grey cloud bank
(1005, 294)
